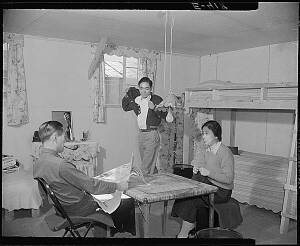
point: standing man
(144, 104)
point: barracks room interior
(172, 121)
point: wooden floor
(258, 224)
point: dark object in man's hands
(133, 92)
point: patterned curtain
(171, 134)
(132, 52)
(171, 148)
(17, 104)
(98, 80)
(198, 116)
(147, 68)
(147, 60)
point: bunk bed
(263, 180)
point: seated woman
(214, 166)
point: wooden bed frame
(264, 96)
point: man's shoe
(192, 233)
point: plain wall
(261, 131)
(56, 79)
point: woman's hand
(204, 171)
(195, 170)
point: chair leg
(72, 232)
(88, 229)
(66, 231)
(77, 233)
(108, 231)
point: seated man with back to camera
(213, 166)
(73, 187)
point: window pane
(112, 90)
(131, 62)
(131, 67)
(131, 72)
(113, 66)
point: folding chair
(72, 223)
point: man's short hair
(48, 128)
(145, 79)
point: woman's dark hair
(215, 127)
(48, 128)
(145, 79)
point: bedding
(20, 191)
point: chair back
(56, 203)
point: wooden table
(165, 187)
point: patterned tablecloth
(167, 186)
(161, 187)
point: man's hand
(122, 186)
(151, 105)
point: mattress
(259, 180)
(20, 191)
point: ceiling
(195, 32)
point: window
(120, 73)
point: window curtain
(147, 60)
(98, 81)
(17, 103)
(198, 116)
(171, 148)
(147, 67)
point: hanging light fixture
(171, 99)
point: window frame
(122, 86)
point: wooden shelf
(256, 96)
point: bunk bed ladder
(289, 210)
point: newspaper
(110, 202)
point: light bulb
(169, 117)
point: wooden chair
(72, 223)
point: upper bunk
(221, 94)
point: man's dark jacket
(153, 117)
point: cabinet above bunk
(246, 96)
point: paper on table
(110, 202)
